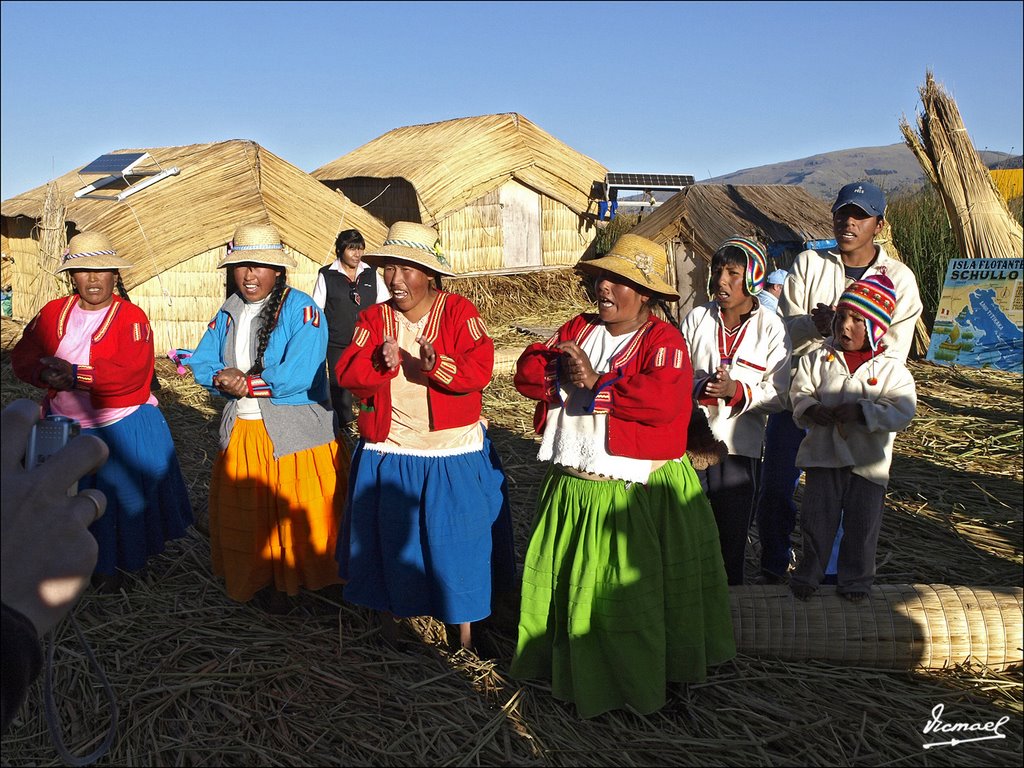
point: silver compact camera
(48, 436)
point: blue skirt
(147, 500)
(427, 536)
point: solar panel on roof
(647, 180)
(108, 165)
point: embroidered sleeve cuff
(257, 387)
(739, 401)
(83, 376)
(445, 369)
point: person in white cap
(769, 298)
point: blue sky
(656, 87)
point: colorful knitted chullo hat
(757, 262)
(873, 298)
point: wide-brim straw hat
(258, 244)
(91, 250)
(412, 242)
(641, 261)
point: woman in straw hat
(623, 584)
(273, 508)
(740, 356)
(427, 529)
(93, 353)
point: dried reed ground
(201, 680)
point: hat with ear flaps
(414, 243)
(873, 298)
(257, 244)
(91, 250)
(639, 260)
(757, 263)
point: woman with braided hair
(274, 513)
(93, 354)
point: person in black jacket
(48, 553)
(343, 289)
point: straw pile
(981, 221)
(201, 680)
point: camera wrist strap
(52, 718)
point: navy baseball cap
(864, 195)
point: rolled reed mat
(898, 626)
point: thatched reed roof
(705, 215)
(219, 186)
(454, 162)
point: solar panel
(108, 165)
(648, 180)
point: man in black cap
(807, 306)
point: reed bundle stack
(978, 215)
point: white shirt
(320, 289)
(248, 407)
(577, 439)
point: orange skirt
(275, 522)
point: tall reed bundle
(53, 238)
(982, 223)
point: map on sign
(980, 316)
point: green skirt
(624, 589)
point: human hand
(576, 363)
(231, 381)
(428, 357)
(822, 316)
(821, 415)
(721, 384)
(391, 353)
(48, 552)
(848, 413)
(57, 373)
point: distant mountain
(893, 168)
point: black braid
(268, 321)
(121, 289)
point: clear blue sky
(698, 88)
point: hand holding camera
(48, 553)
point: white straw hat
(259, 244)
(91, 250)
(416, 243)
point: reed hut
(504, 195)
(694, 222)
(176, 230)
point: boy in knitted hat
(852, 395)
(740, 356)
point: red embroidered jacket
(646, 394)
(120, 368)
(465, 361)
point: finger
(84, 454)
(18, 419)
(90, 506)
